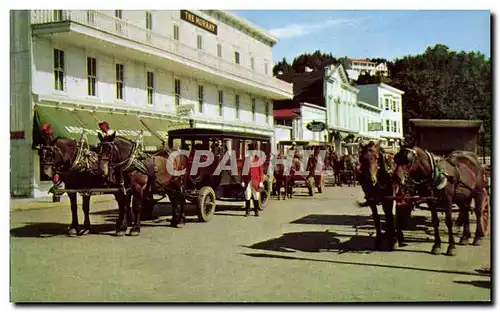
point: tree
(444, 84)
(282, 66)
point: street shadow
(361, 264)
(361, 222)
(45, 230)
(481, 284)
(318, 242)
(346, 220)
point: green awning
(68, 123)
(71, 123)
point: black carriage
(204, 188)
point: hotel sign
(198, 21)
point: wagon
(312, 179)
(442, 138)
(204, 188)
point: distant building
(389, 100)
(357, 67)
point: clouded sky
(374, 33)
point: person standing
(253, 182)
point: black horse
(65, 160)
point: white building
(139, 70)
(369, 120)
(356, 67)
(342, 105)
(389, 100)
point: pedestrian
(253, 182)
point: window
(237, 105)
(58, 70)
(219, 50)
(149, 20)
(176, 32)
(58, 15)
(386, 104)
(150, 87)
(252, 63)
(397, 106)
(221, 101)
(119, 81)
(395, 124)
(200, 99)
(387, 125)
(267, 112)
(91, 76)
(177, 91)
(393, 105)
(266, 68)
(253, 110)
(199, 42)
(236, 57)
(118, 25)
(284, 122)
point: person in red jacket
(253, 182)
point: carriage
(313, 179)
(443, 138)
(204, 188)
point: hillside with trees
(438, 84)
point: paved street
(304, 249)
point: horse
(349, 165)
(458, 178)
(281, 179)
(64, 160)
(145, 175)
(376, 182)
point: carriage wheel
(310, 185)
(205, 203)
(265, 193)
(485, 215)
(321, 184)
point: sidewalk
(19, 204)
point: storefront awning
(287, 113)
(71, 123)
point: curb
(63, 203)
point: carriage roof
(443, 136)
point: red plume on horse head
(47, 130)
(104, 126)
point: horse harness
(439, 178)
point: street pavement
(307, 249)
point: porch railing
(116, 26)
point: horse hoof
(119, 233)
(464, 241)
(72, 232)
(134, 233)
(84, 232)
(451, 251)
(402, 244)
(436, 251)
(477, 241)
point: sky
(387, 34)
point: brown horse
(376, 182)
(457, 179)
(281, 179)
(72, 163)
(145, 175)
(294, 175)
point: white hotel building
(139, 70)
